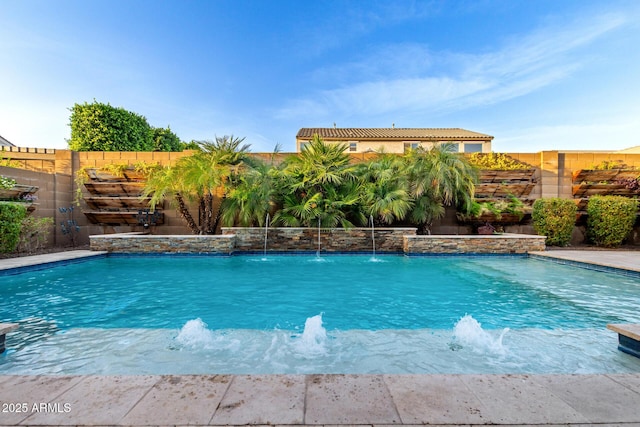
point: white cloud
(520, 67)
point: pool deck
(374, 400)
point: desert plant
(610, 219)
(554, 218)
(11, 216)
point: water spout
(318, 251)
(373, 237)
(266, 233)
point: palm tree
(200, 178)
(250, 196)
(385, 189)
(165, 182)
(438, 177)
(318, 185)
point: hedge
(610, 219)
(11, 216)
(554, 218)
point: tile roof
(392, 133)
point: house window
(411, 146)
(353, 146)
(473, 148)
(453, 147)
(303, 144)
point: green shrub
(11, 216)
(34, 233)
(554, 218)
(496, 161)
(610, 219)
(166, 140)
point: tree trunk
(202, 216)
(182, 208)
(208, 213)
(216, 223)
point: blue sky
(537, 75)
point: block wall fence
(53, 171)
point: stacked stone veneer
(478, 244)
(388, 240)
(150, 243)
(331, 240)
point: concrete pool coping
(604, 399)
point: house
(397, 140)
(5, 142)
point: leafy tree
(165, 140)
(192, 145)
(101, 127)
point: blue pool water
(288, 314)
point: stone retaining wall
(388, 240)
(477, 244)
(331, 240)
(151, 243)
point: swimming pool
(303, 314)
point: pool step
(628, 337)
(4, 329)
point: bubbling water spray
(194, 334)
(468, 332)
(313, 338)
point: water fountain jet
(318, 251)
(266, 233)
(373, 237)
